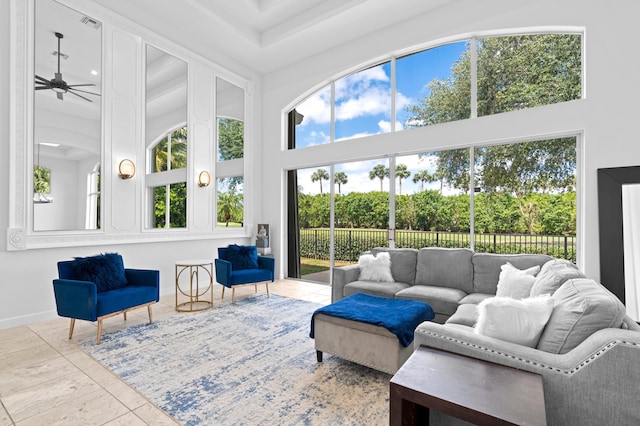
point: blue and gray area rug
(251, 363)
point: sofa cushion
(403, 263)
(552, 275)
(486, 268)
(242, 257)
(375, 268)
(443, 300)
(582, 307)
(384, 289)
(465, 315)
(474, 298)
(106, 271)
(518, 321)
(445, 267)
(514, 282)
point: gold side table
(194, 292)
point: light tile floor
(46, 379)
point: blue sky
(363, 107)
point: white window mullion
(393, 94)
(474, 77)
(392, 201)
(332, 131)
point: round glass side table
(199, 297)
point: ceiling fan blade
(80, 96)
(60, 96)
(41, 79)
(43, 88)
(79, 85)
(83, 91)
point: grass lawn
(311, 266)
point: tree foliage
(513, 72)
(230, 139)
(548, 214)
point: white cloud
(317, 108)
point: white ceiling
(266, 34)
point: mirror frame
(610, 181)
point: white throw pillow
(513, 320)
(516, 283)
(375, 268)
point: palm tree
(320, 175)
(402, 173)
(228, 204)
(340, 178)
(379, 171)
(423, 176)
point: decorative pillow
(105, 270)
(513, 320)
(242, 257)
(375, 268)
(552, 275)
(582, 307)
(516, 283)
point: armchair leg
(222, 297)
(150, 316)
(73, 323)
(99, 331)
(233, 295)
(267, 283)
(125, 315)
(256, 287)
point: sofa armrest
(76, 299)
(144, 277)
(223, 272)
(341, 277)
(591, 384)
(268, 263)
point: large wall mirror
(166, 136)
(66, 119)
(619, 209)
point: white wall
(607, 116)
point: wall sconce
(204, 179)
(126, 169)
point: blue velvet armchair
(241, 265)
(82, 294)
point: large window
(456, 81)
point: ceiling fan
(58, 85)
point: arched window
(455, 81)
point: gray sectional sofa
(587, 351)
(443, 277)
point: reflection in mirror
(631, 238)
(66, 119)
(166, 139)
(230, 120)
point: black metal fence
(350, 243)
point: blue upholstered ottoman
(370, 330)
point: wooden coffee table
(477, 391)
